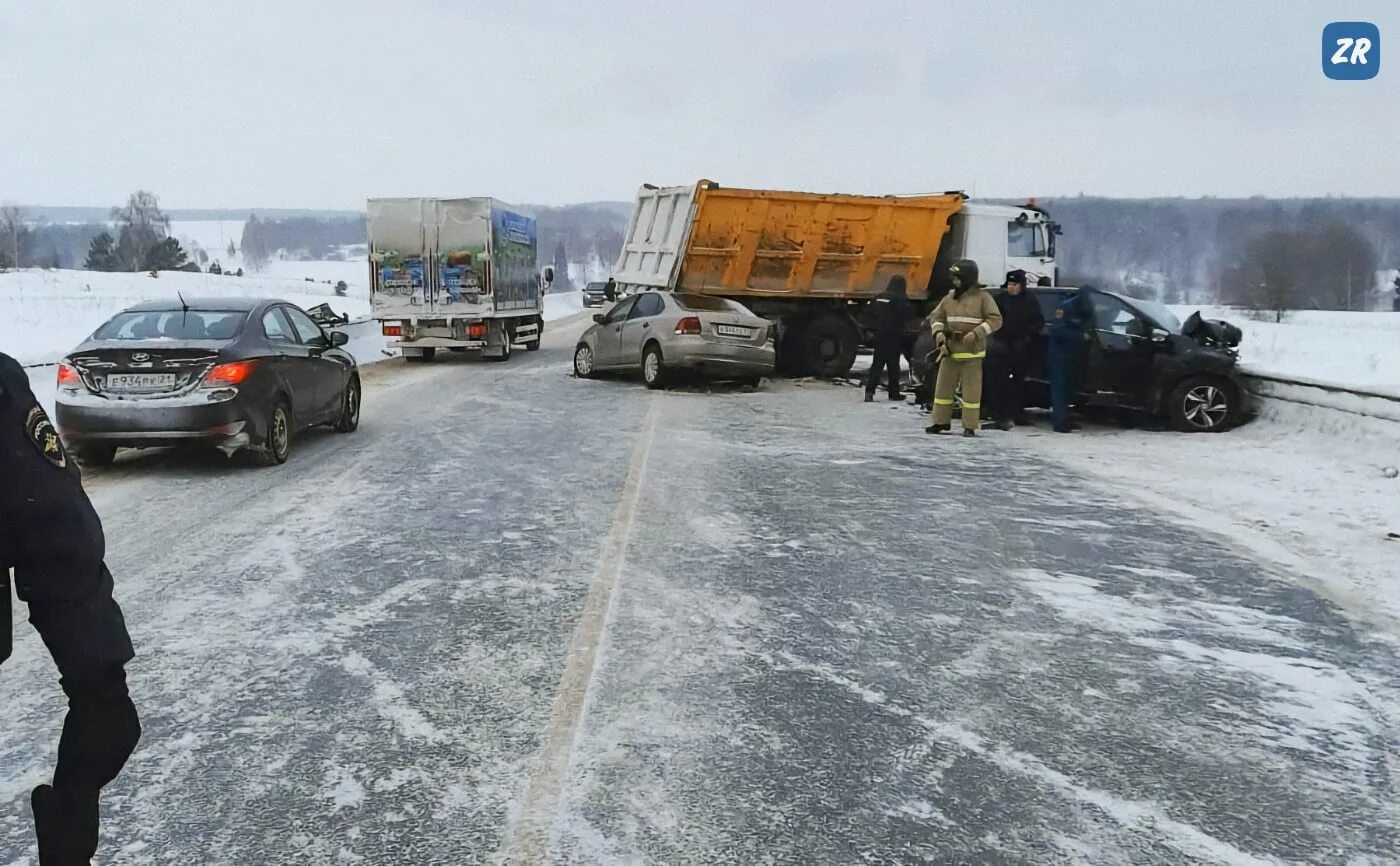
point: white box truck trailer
(456, 274)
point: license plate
(139, 381)
(733, 331)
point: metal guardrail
(1365, 402)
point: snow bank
(1304, 487)
(562, 305)
(1352, 349)
(43, 314)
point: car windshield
(1158, 312)
(596, 287)
(707, 304)
(173, 325)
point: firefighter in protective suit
(961, 323)
(52, 538)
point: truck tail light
(477, 330)
(68, 377)
(688, 325)
(394, 330)
(224, 375)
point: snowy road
(524, 618)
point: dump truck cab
(1002, 238)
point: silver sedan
(662, 333)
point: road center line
(530, 840)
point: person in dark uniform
(52, 538)
(1064, 342)
(1009, 351)
(610, 290)
(891, 313)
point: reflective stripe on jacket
(976, 311)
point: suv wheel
(1202, 404)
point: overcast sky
(320, 103)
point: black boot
(969, 433)
(938, 429)
(65, 825)
(869, 397)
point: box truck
(457, 274)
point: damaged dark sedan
(237, 374)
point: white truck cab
(1003, 238)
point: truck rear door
(656, 237)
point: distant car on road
(664, 333)
(595, 295)
(237, 374)
(1138, 358)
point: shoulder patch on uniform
(42, 433)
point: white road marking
(530, 840)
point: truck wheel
(1202, 404)
(505, 349)
(419, 356)
(830, 345)
(653, 367)
(534, 345)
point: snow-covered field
(1352, 349)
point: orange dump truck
(814, 262)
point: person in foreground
(1064, 342)
(891, 311)
(52, 538)
(961, 323)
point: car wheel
(419, 356)
(583, 362)
(751, 381)
(1202, 404)
(278, 444)
(653, 367)
(92, 456)
(349, 420)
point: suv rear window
(707, 304)
(173, 325)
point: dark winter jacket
(891, 314)
(1073, 318)
(1021, 320)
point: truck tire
(419, 356)
(829, 344)
(1203, 404)
(534, 345)
(506, 346)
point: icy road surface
(522, 618)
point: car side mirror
(598, 317)
(339, 338)
(1159, 335)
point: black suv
(1140, 359)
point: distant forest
(1321, 253)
